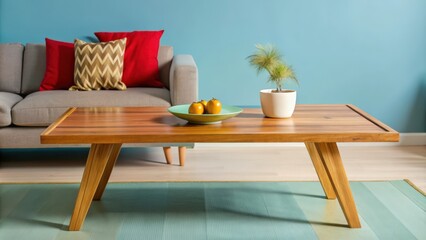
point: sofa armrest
(183, 80)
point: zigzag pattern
(98, 65)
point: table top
(309, 123)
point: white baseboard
(412, 139)
(406, 139)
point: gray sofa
(25, 111)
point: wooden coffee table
(318, 126)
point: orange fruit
(204, 102)
(196, 108)
(214, 106)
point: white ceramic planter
(278, 104)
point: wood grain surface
(319, 166)
(332, 162)
(97, 161)
(310, 123)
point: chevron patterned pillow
(98, 65)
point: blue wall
(371, 53)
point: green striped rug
(231, 210)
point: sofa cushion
(34, 67)
(141, 57)
(42, 108)
(165, 57)
(7, 101)
(11, 67)
(59, 74)
(98, 65)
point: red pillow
(140, 58)
(59, 73)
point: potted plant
(279, 102)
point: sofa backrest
(165, 57)
(35, 66)
(11, 67)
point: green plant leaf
(267, 58)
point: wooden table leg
(332, 161)
(182, 155)
(168, 154)
(95, 166)
(320, 169)
(107, 172)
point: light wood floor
(218, 162)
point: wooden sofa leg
(168, 154)
(182, 156)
